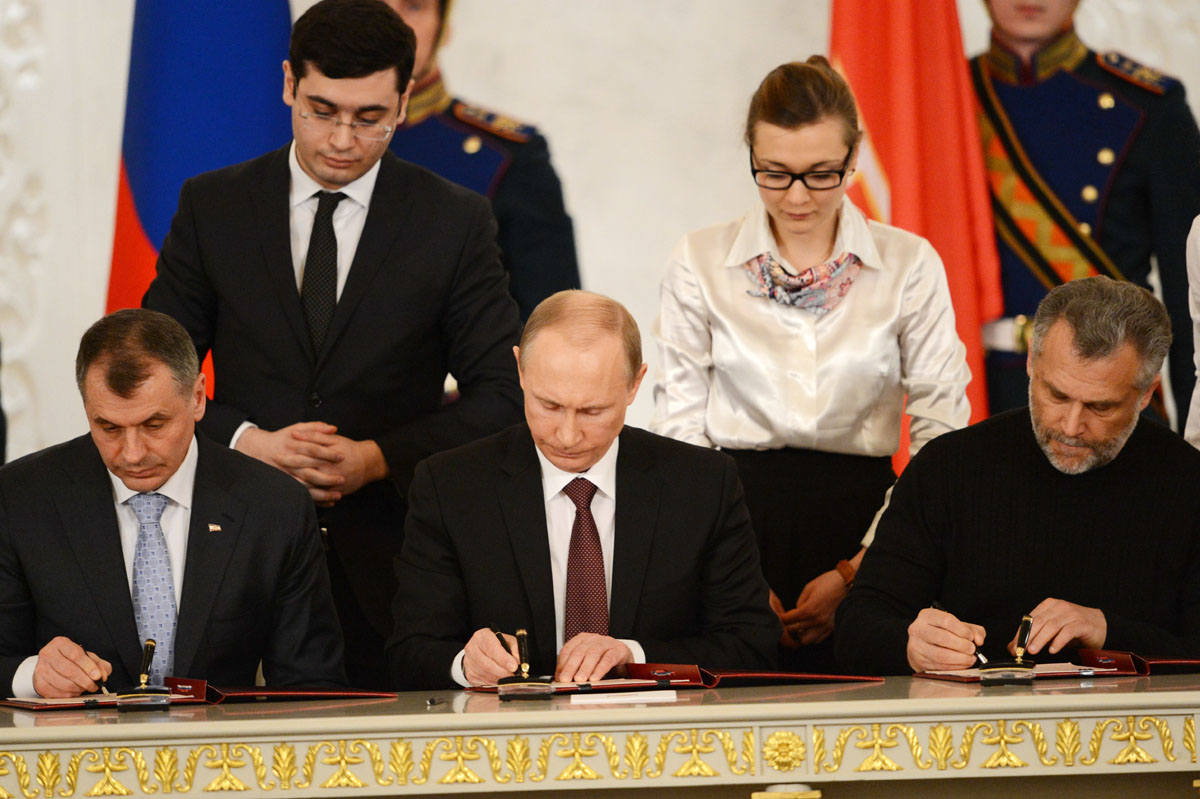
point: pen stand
(517, 687)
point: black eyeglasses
(815, 180)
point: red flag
(920, 166)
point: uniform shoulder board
(495, 123)
(1125, 67)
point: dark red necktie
(587, 597)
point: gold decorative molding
(784, 750)
(1189, 736)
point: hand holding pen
(1057, 624)
(489, 656)
(938, 640)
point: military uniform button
(1085, 228)
(1106, 156)
(1089, 194)
(1106, 101)
(471, 145)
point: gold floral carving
(283, 765)
(462, 752)
(611, 752)
(818, 749)
(784, 751)
(1164, 735)
(748, 751)
(877, 760)
(22, 770)
(660, 756)
(48, 773)
(426, 762)
(1066, 740)
(637, 754)
(731, 753)
(693, 746)
(577, 751)
(343, 756)
(941, 745)
(166, 768)
(400, 761)
(1002, 757)
(967, 743)
(1038, 736)
(1189, 736)
(518, 757)
(226, 761)
(72, 774)
(104, 763)
(914, 744)
(543, 759)
(306, 771)
(1132, 732)
(493, 756)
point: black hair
(353, 39)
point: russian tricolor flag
(205, 87)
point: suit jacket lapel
(638, 493)
(208, 552)
(89, 520)
(385, 219)
(270, 198)
(524, 511)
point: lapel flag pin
(214, 528)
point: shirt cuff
(639, 654)
(22, 684)
(456, 670)
(243, 427)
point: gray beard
(1103, 452)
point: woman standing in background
(790, 338)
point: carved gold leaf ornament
(166, 767)
(400, 761)
(967, 743)
(731, 753)
(1002, 757)
(518, 757)
(309, 767)
(637, 754)
(1189, 736)
(342, 757)
(577, 751)
(818, 749)
(1131, 733)
(375, 756)
(693, 747)
(1164, 734)
(22, 770)
(283, 765)
(748, 751)
(1096, 741)
(72, 774)
(660, 756)
(877, 760)
(1066, 740)
(839, 748)
(784, 751)
(462, 752)
(493, 757)
(1039, 740)
(49, 773)
(941, 745)
(426, 762)
(104, 764)
(914, 744)
(226, 760)
(610, 751)
(543, 758)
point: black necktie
(318, 289)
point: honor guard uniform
(1093, 162)
(509, 163)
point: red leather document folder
(204, 691)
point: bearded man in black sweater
(1075, 510)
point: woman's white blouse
(745, 372)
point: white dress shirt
(560, 518)
(348, 220)
(745, 372)
(1192, 431)
(176, 517)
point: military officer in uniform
(503, 159)
(1094, 165)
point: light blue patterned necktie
(154, 606)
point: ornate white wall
(642, 101)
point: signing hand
(64, 669)
(811, 621)
(310, 463)
(1058, 623)
(485, 662)
(938, 640)
(589, 656)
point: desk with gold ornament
(740, 738)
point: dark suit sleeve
(537, 240)
(182, 290)
(16, 607)
(738, 629)
(1174, 198)
(901, 573)
(305, 647)
(479, 329)
(430, 608)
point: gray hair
(586, 313)
(126, 343)
(1104, 315)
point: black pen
(523, 652)
(982, 657)
(503, 643)
(1023, 637)
(147, 659)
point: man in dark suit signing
(146, 529)
(608, 544)
(336, 286)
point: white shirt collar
(755, 238)
(178, 487)
(304, 187)
(603, 473)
